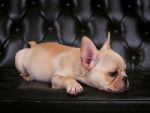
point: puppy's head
(105, 68)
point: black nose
(125, 79)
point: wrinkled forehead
(112, 60)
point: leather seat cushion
(20, 92)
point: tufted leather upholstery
(66, 21)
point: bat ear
(106, 45)
(88, 52)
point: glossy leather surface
(65, 22)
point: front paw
(74, 88)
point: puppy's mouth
(118, 86)
(117, 91)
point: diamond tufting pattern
(65, 22)
(68, 20)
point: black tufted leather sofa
(66, 21)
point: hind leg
(19, 63)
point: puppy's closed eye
(114, 74)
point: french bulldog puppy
(64, 66)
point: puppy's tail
(32, 43)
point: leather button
(133, 57)
(67, 4)
(33, 2)
(50, 28)
(82, 31)
(98, 5)
(129, 6)
(2, 5)
(116, 31)
(17, 29)
(146, 33)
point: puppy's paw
(27, 78)
(74, 88)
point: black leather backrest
(66, 21)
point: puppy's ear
(106, 45)
(88, 53)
